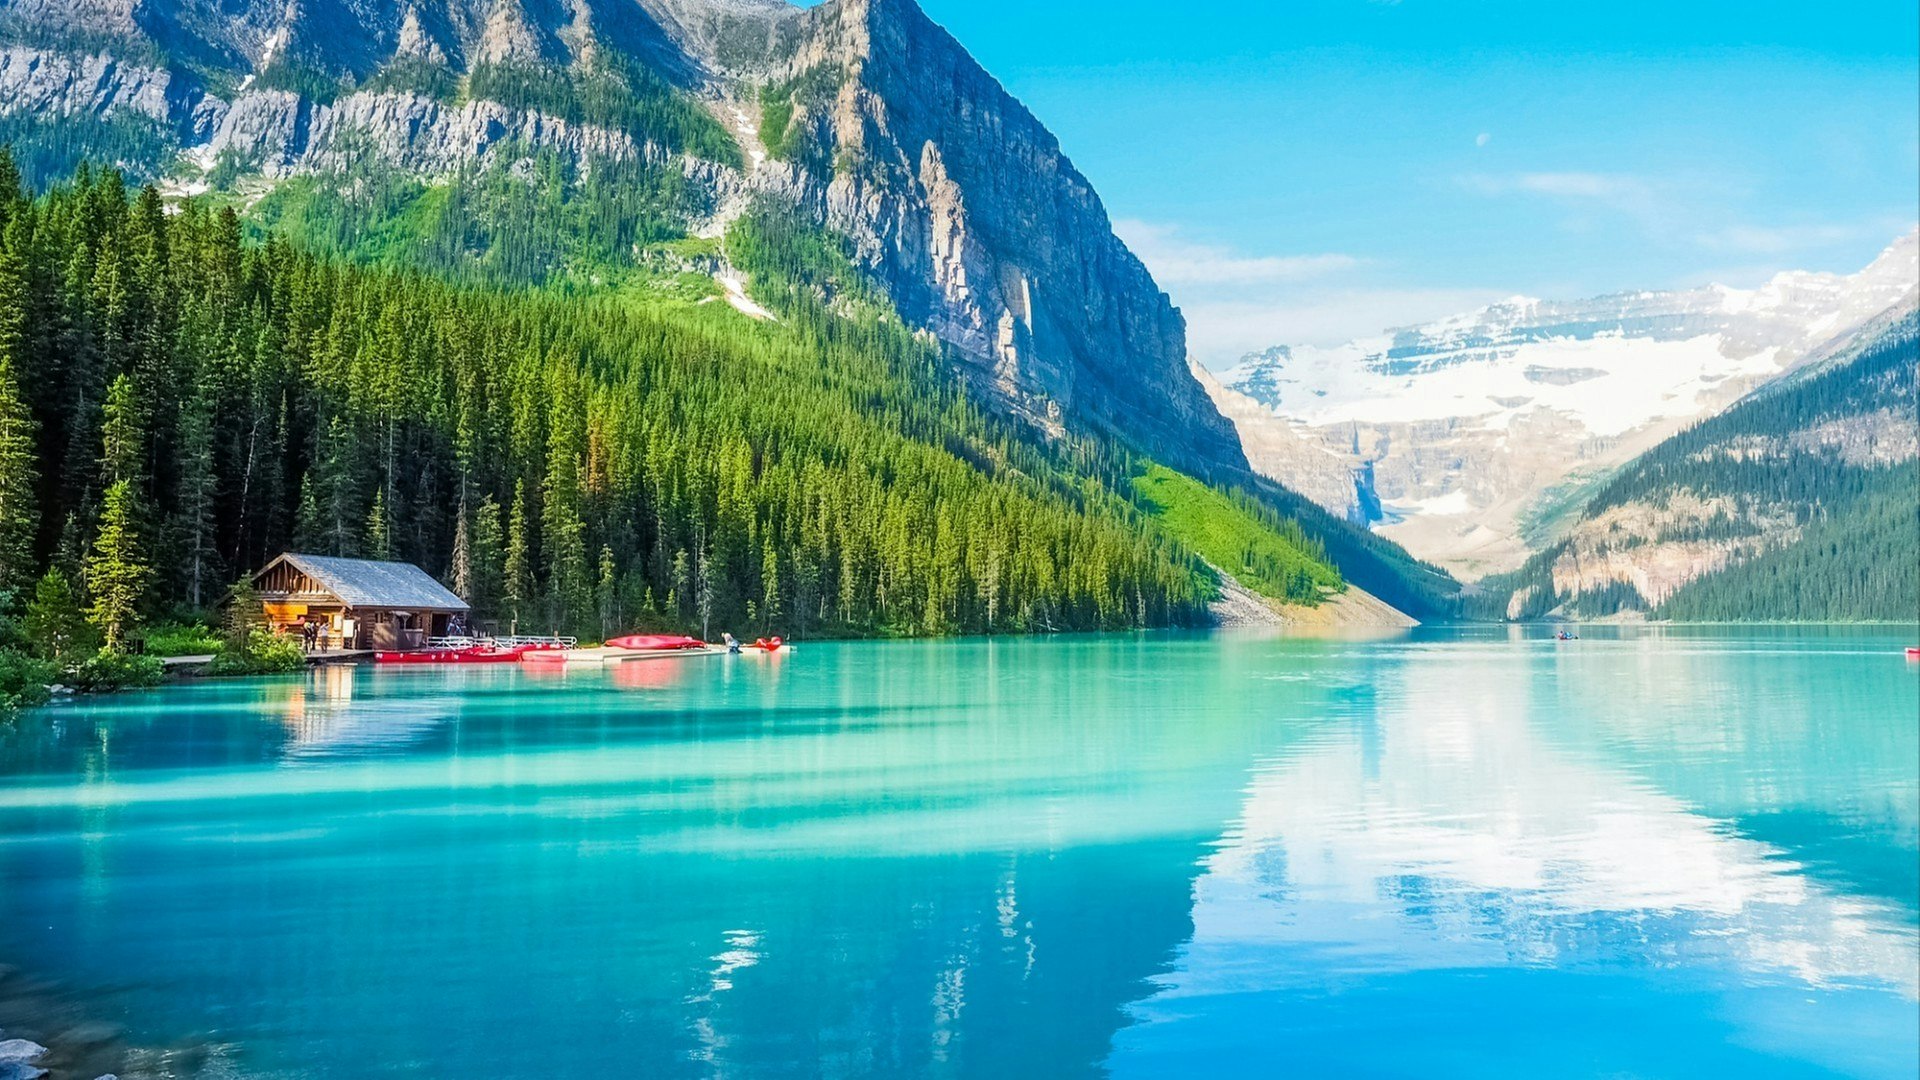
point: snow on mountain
(1446, 436)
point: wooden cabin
(360, 603)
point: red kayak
(473, 654)
(768, 644)
(1913, 652)
(656, 643)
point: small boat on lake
(657, 643)
(1913, 652)
(765, 645)
(622, 649)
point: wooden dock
(337, 656)
(187, 665)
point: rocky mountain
(1469, 439)
(861, 117)
(1800, 502)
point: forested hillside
(1802, 502)
(177, 405)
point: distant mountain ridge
(1801, 502)
(861, 115)
(1454, 437)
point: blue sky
(1312, 170)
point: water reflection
(1474, 816)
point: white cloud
(1221, 331)
(1176, 260)
(1483, 138)
(1237, 303)
(1618, 191)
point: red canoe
(474, 654)
(656, 643)
(1913, 652)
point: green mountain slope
(580, 458)
(1800, 502)
(580, 464)
(1266, 553)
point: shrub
(108, 670)
(264, 654)
(272, 653)
(183, 639)
(23, 681)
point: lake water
(1472, 853)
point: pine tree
(607, 595)
(310, 527)
(19, 473)
(379, 542)
(519, 586)
(563, 530)
(54, 622)
(19, 506)
(489, 559)
(771, 607)
(122, 451)
(195, 500)
(117, 572)
(12, 197)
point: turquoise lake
(1459, 853)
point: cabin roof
(364, 583)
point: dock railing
(515, 641)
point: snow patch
(182, 189)
(1638, 380)
(203, 156)
(744, 125)
(736, 285)
(1452, 504)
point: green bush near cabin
(108, 670)
(183, 639)
(1266, 553)
(265, 654)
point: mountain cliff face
(861, 116)
(1465, 439)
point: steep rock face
(952, 195)
(983, 230)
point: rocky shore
(47, 1033)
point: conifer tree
(19, 507)
(117, 571)
(607, 595)
(195, 499)
(489, 556)
(519, 587)
(460, 566)
(122, 453)
(54, 622)
(379, 542)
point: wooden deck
(181, 665)
(337, 656)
